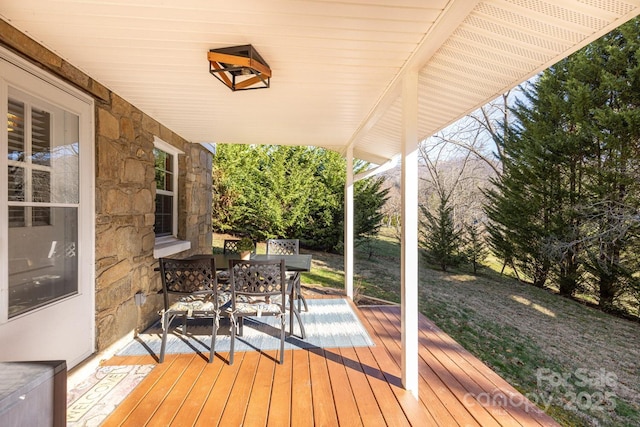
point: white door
(46, 218)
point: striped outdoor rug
(329, 323)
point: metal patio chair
(289, 247)
(230, 246)
(190, 291)
(259, 288)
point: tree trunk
(568, 280)
(540, 275)
(608, 291)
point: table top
(300, 262)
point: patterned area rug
(91, 401)
(329, 323)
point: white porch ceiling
(337, 64)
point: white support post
(348, 226)
(409, 275)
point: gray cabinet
(33, 394)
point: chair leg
(302, 332)
(283, 322)
(240, 325)
(214, 333)
(294, 312)
(233, 339)
(300, 296)
(166, 321)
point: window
(166, 170)
(29, 158)
(166, 223)
(165, 196)
(42, 201)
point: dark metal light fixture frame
(239, 68)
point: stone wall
(125, 194)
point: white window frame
(169, 245)
(29, 103)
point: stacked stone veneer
(125, 197)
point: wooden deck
(328, 387)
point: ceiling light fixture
(239, 67)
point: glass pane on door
(43, 264)
(43, 197)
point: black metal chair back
(185, 277)
(283, 246)
(289, 247)
(230, 246)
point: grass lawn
(580, 365)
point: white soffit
(499, 45)
(336, 64)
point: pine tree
(568, 199)
(369, 199)
(293, 192)
(474, 249)
(607, 72)
(441, 240)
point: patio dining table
(292, 263)
(297, 264)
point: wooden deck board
(161, 391)
(499, 398)
(242, 389)
(442, 398)
(177, 395)
(324, 414)
(392, 412)
(344, 398)
(523, 411)
(258, 406)
(139, 394)
(344, 386)
(473, 382)
(199, 394)
(280, 407)
(442, 375)
(218, 397)
(365, 399)
(301, 402)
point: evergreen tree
(607, 72)
(568, 198)
(231, 176)
(223, 198)
(519, 204)
(474, 249)
(441, 240)
(369, 199)
(295, 192)
(325, 223)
